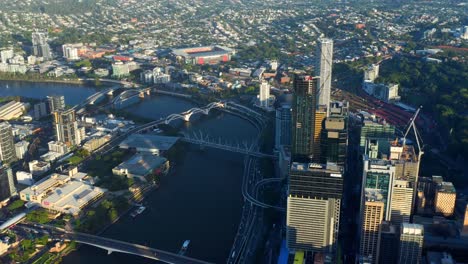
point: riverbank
(76, 81)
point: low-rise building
(59, 193)
(142, 165)
(25, 178)
(149, 143)
(96, 143)
(58, 147)
(101, 72)
(13, 110)
(37, 167)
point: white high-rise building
(6, 55)
(371, 73)
(70, 51)
(21, 148)
(264, 95)
(323, 68)
(40, 45)
(274, 65)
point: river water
(73, 93)
(201, 201)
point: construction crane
(412, 124)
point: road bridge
(251, 168)
(128, 95)
(172, 93)
(112, 245)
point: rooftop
(202, 51)
(412, 229)
(374, 195)
(45, 184)
(141, 164)
(446, 187)
(332, 168)
(71, 197)
(148, 142)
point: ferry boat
(184, 247)
(138, 211)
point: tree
(38, 216)
(15, 205)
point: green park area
(441, 89)
(106, 212)
(101, 166)
(27, 247)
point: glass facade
(303, 115)
(316, 183)
(379, 181)
(380, 132)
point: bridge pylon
(187, 117)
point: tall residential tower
(324, 61)
(66, 127)
(7, 144)
(40, 46)
(303, 117)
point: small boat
(184, 247)
(138, 211)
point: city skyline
(271, 131)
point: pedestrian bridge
(242, 148)
(187, 114)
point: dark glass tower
(303, 117)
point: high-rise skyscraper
(283, 126)
(264, 94)
(388, 243)
(411, 243)
(40, 110)
(402, 202)
(381, 132)
(7, 184)
(323, 67)
(378, 176)
(334, 138)
(373, 215)
(313, 207)
(304, 117)
(445, 197)
(66, 127)
(56, 102)
(40, 46)
(7, 144)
